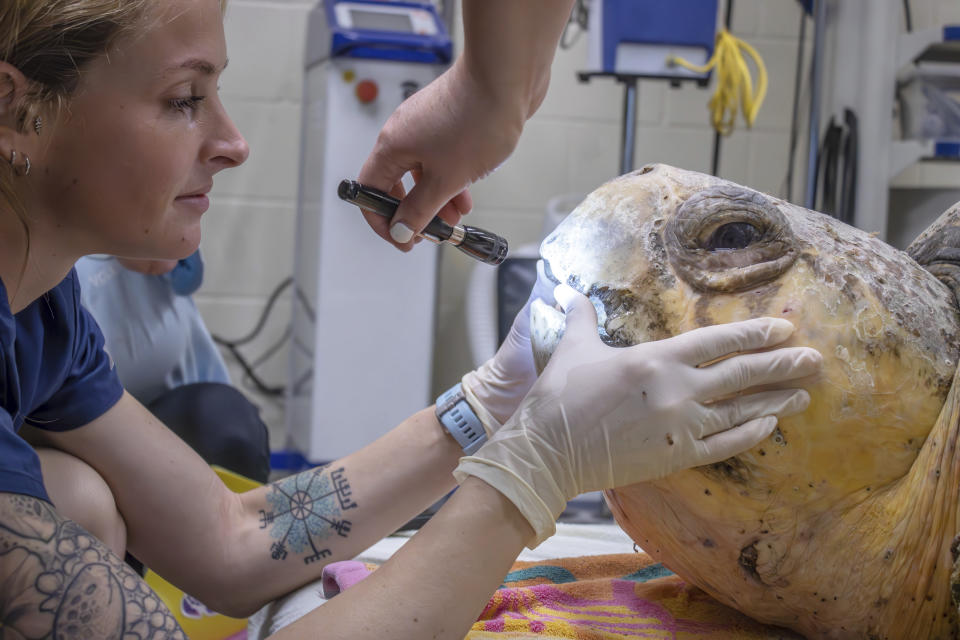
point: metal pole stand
(628, 126)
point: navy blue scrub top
(54, 375)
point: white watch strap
(458, 418)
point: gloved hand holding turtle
(495, 389)
(601, 417)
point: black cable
(716, 134)
(304, 349)
(272, 349)
(848, 179)
(266, 355)
(297, 386)
(307, 309)
(260, 384)
(232, 345)
(263, 317)
(794, 125)
(907, 16)
(715, 162)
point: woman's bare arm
(183, 523)
(437, 584)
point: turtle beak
(545, 276)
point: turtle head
(639, 243)
(662, 251)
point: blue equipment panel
(381, 30)
(691, 23)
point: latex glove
(449, 134)
(495, 389)
(601, 417)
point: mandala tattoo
(61, 582)
(305, 510)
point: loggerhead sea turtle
(840, 525)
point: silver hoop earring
(18, 171)
(37, 124)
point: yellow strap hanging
(734, 85)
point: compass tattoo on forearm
(306, 509)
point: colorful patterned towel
(600, 597)
(610, 597)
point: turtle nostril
(547, 272)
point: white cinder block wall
(571, 145)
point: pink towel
(338, 576)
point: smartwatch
(459, 419)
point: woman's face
(126, 165)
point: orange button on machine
(366, 91)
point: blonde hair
(50, 42)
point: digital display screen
(381, 21)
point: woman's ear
(13, 88)
(13, 133)
(7, 89)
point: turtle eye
(729, 239)
(733, 235)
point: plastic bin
(930, 104)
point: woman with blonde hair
(111, 132)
